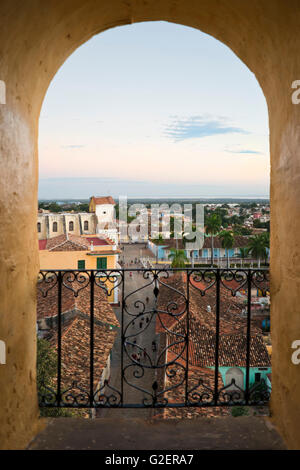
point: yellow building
(72, 252)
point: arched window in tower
(86, 225)
(71, 226)
(39, 227)
(54, 227)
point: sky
(153, 109)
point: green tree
(46, 371)
(258, 247)
(54, 207)
(227, 240)
(213, 225)
(243, 254)
(160, 240)
(178, 258)
(240, 230)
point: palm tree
(258, 247)
(243, 254)
(178, 258)
(227, 240)
(213, 225)
(160, 239)
(266, 237)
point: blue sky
(153, 109)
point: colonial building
(53, 224)
(71, 252)
(99, 220)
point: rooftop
(69, 242)
(99, 200)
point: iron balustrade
(151, 377)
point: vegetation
(213, 225)
(46, 371)
(258, 245)
(243, 254)
(178, 258)
(239, 411)
(240, 230)
(258, 224)
(67, 207)
(227, 240)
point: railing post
(58, 397)
(187, 337)
(216, 393)
(248, 335)
(122, 340)
(92, 281)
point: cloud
(198, 127)
(73, 146)
(244, 151)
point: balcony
(182, 343)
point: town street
(140, 331)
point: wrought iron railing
(178, 338)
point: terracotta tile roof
(98, 241)
(202, 340)
(71, 242)
(239, 241)
(200, 383)
(103, 200)
(75, 355)
(67, 242)
(75, 342)
(172, 300)
(232, 348)
(48, 306)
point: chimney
(92, 245)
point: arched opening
(265, 48)
(186, 136)
(236, 374)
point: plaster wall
(105, 213)
(46, 220)
(36, 37)
(69, 259)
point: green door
(101, 263)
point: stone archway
(36, 37)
